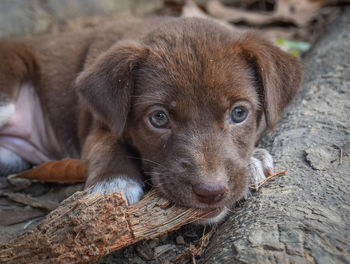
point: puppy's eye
(238, 114)
(159, 119)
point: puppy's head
(190, 98)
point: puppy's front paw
(131, 189)
(260, 166)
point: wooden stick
(86, 227)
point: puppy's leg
(260, 166)
(110, 167)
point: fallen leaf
(66, 170)
(292, 47)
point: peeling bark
(87, 227)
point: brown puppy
(181, 101)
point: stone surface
(180, 240)
(304, 216)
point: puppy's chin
(213, 217)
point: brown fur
(98, 88)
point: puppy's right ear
(107, 84)
(277, 74)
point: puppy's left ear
(277, 74)
(107, 84)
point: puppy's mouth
(213, 216)
(213, 213)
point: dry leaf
(66, 170)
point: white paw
(131, 189)
(260, 166)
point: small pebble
(180, 240)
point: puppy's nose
(209, 192)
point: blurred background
(292, 24)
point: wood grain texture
(87, 227)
